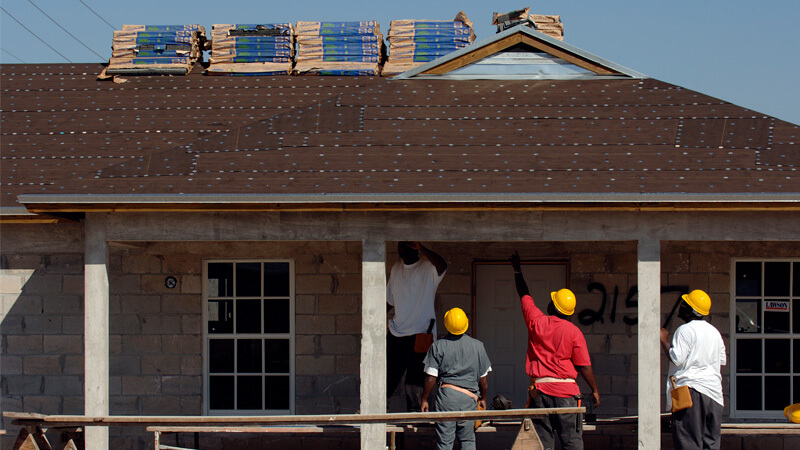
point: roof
(70, 141)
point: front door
(499, 322)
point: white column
(373, 341)
(649, 275)
(96, 355)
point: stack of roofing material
(251, 49)
(415, 42)
(339, 48)
(156, 49)
(547, 24)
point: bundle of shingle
(415, 42)
(156, 49)
(547, 24)
(251, 49)
(339, 48)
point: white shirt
(695, 358)
(411, 290)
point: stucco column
(373, 341)
(95, 332)
(649, 353)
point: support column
(649, 352)
(96, 328)
(373, 341)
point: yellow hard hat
(792, 412)
(456, 321)
(564, 301)
(699, 301)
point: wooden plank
(64, 420)
(527, 438)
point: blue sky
(741, 51)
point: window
(249, 337)
(765, 371)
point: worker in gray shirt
(460, 364)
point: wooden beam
(69, 420)
(578, 61)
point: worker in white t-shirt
(410, 291)
(695, 356)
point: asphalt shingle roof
(64, 132)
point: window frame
(291, 337)
(793, 337)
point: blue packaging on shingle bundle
(255, 46)
(255, 53)
(159, 60)
(250, 59)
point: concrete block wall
(41, 320)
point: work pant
(402, 359)
(698, 427)
(568, 427)
(446, 432)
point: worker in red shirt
(557, 352)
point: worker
(695, 356)
(461, 365)
(410, 291)
(557, 352)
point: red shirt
(555, 347)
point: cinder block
(163, 405)
(709, 262)
(347, 283)
(182, 344)
(588, 263)
(63, 345)
(73, 365)
(62, 305)
(309, 365)
(42, 404)
(306, 324)
(191, 365)
(73, 284)
(62, 263)
(340, 263)
(27, 385)
(63, 385)
(335, 344)
(348, 324)
(306, 263)
(142, 345)
(348, 365)
(139, 304)
(141, 385)
(622, 344)
(675, 262)
(305, 304)
(455, 284)
(125, 324)
(191, 284)
(161, 364)
(181, 304)
(121, 365)
(155, 284)
(11, 283)
(306, 344)
(182, 264)
(192, 324)
(10, 365)
(158, 324)
(24, 345)
(694, 281)
(40, 283)
(192, 406)
(125, 284)
(41, 364)
(41, 324)
(124, 405)
(339, 304)
(182, 385)
(314, 284)
(140, 263)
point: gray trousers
(698, 427)
(451, 400)
(568, 427)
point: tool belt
(462, 390)
(533, 392)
